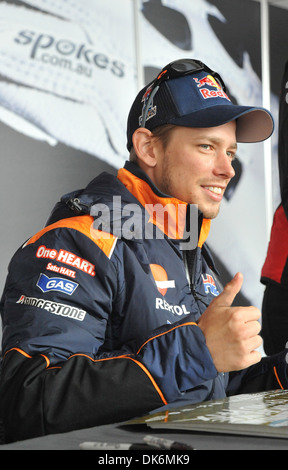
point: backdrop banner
(68, 74)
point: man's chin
(210, 213)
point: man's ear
(143, 145)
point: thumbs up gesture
(231, 333)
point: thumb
(230, 291)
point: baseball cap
(188, 93)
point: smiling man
(196, 165)
(154, 327)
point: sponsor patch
(161, 279)
(179, 310)
(208, 80)
(216, 92)
(59, 284)
(53, 307)
(213, 94)
(152, 111)
(209, 285)
(66, 257)
(61, 270)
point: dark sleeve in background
(283, 141)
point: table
(135, 433)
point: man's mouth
(214, 189)
(214, 192)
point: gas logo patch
(47, 284)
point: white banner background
(68, 74)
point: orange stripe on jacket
(99, 360)
(23, 353)
(173, 225)
(165, 333)
(136, 362)
(84, 224)
(176, 210)
(277, 378)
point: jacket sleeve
(269, 374)
(283, 142)
(177, 357)
(56, 338)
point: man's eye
(231, 155)
(206, 146)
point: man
(114, 309)
(274, 273)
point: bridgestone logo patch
(53, 307)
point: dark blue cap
(198, 100)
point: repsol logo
(67, 54)
(175, 309)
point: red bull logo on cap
(210, 81)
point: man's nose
(223, 166)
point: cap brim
(253, 124)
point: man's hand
(231, 333)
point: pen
(115, 446)
(166, 443)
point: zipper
(191, 279)
(76, 205)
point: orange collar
(167, 213)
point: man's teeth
(215, 190)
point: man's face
(196, 165)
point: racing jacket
(98, 310)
